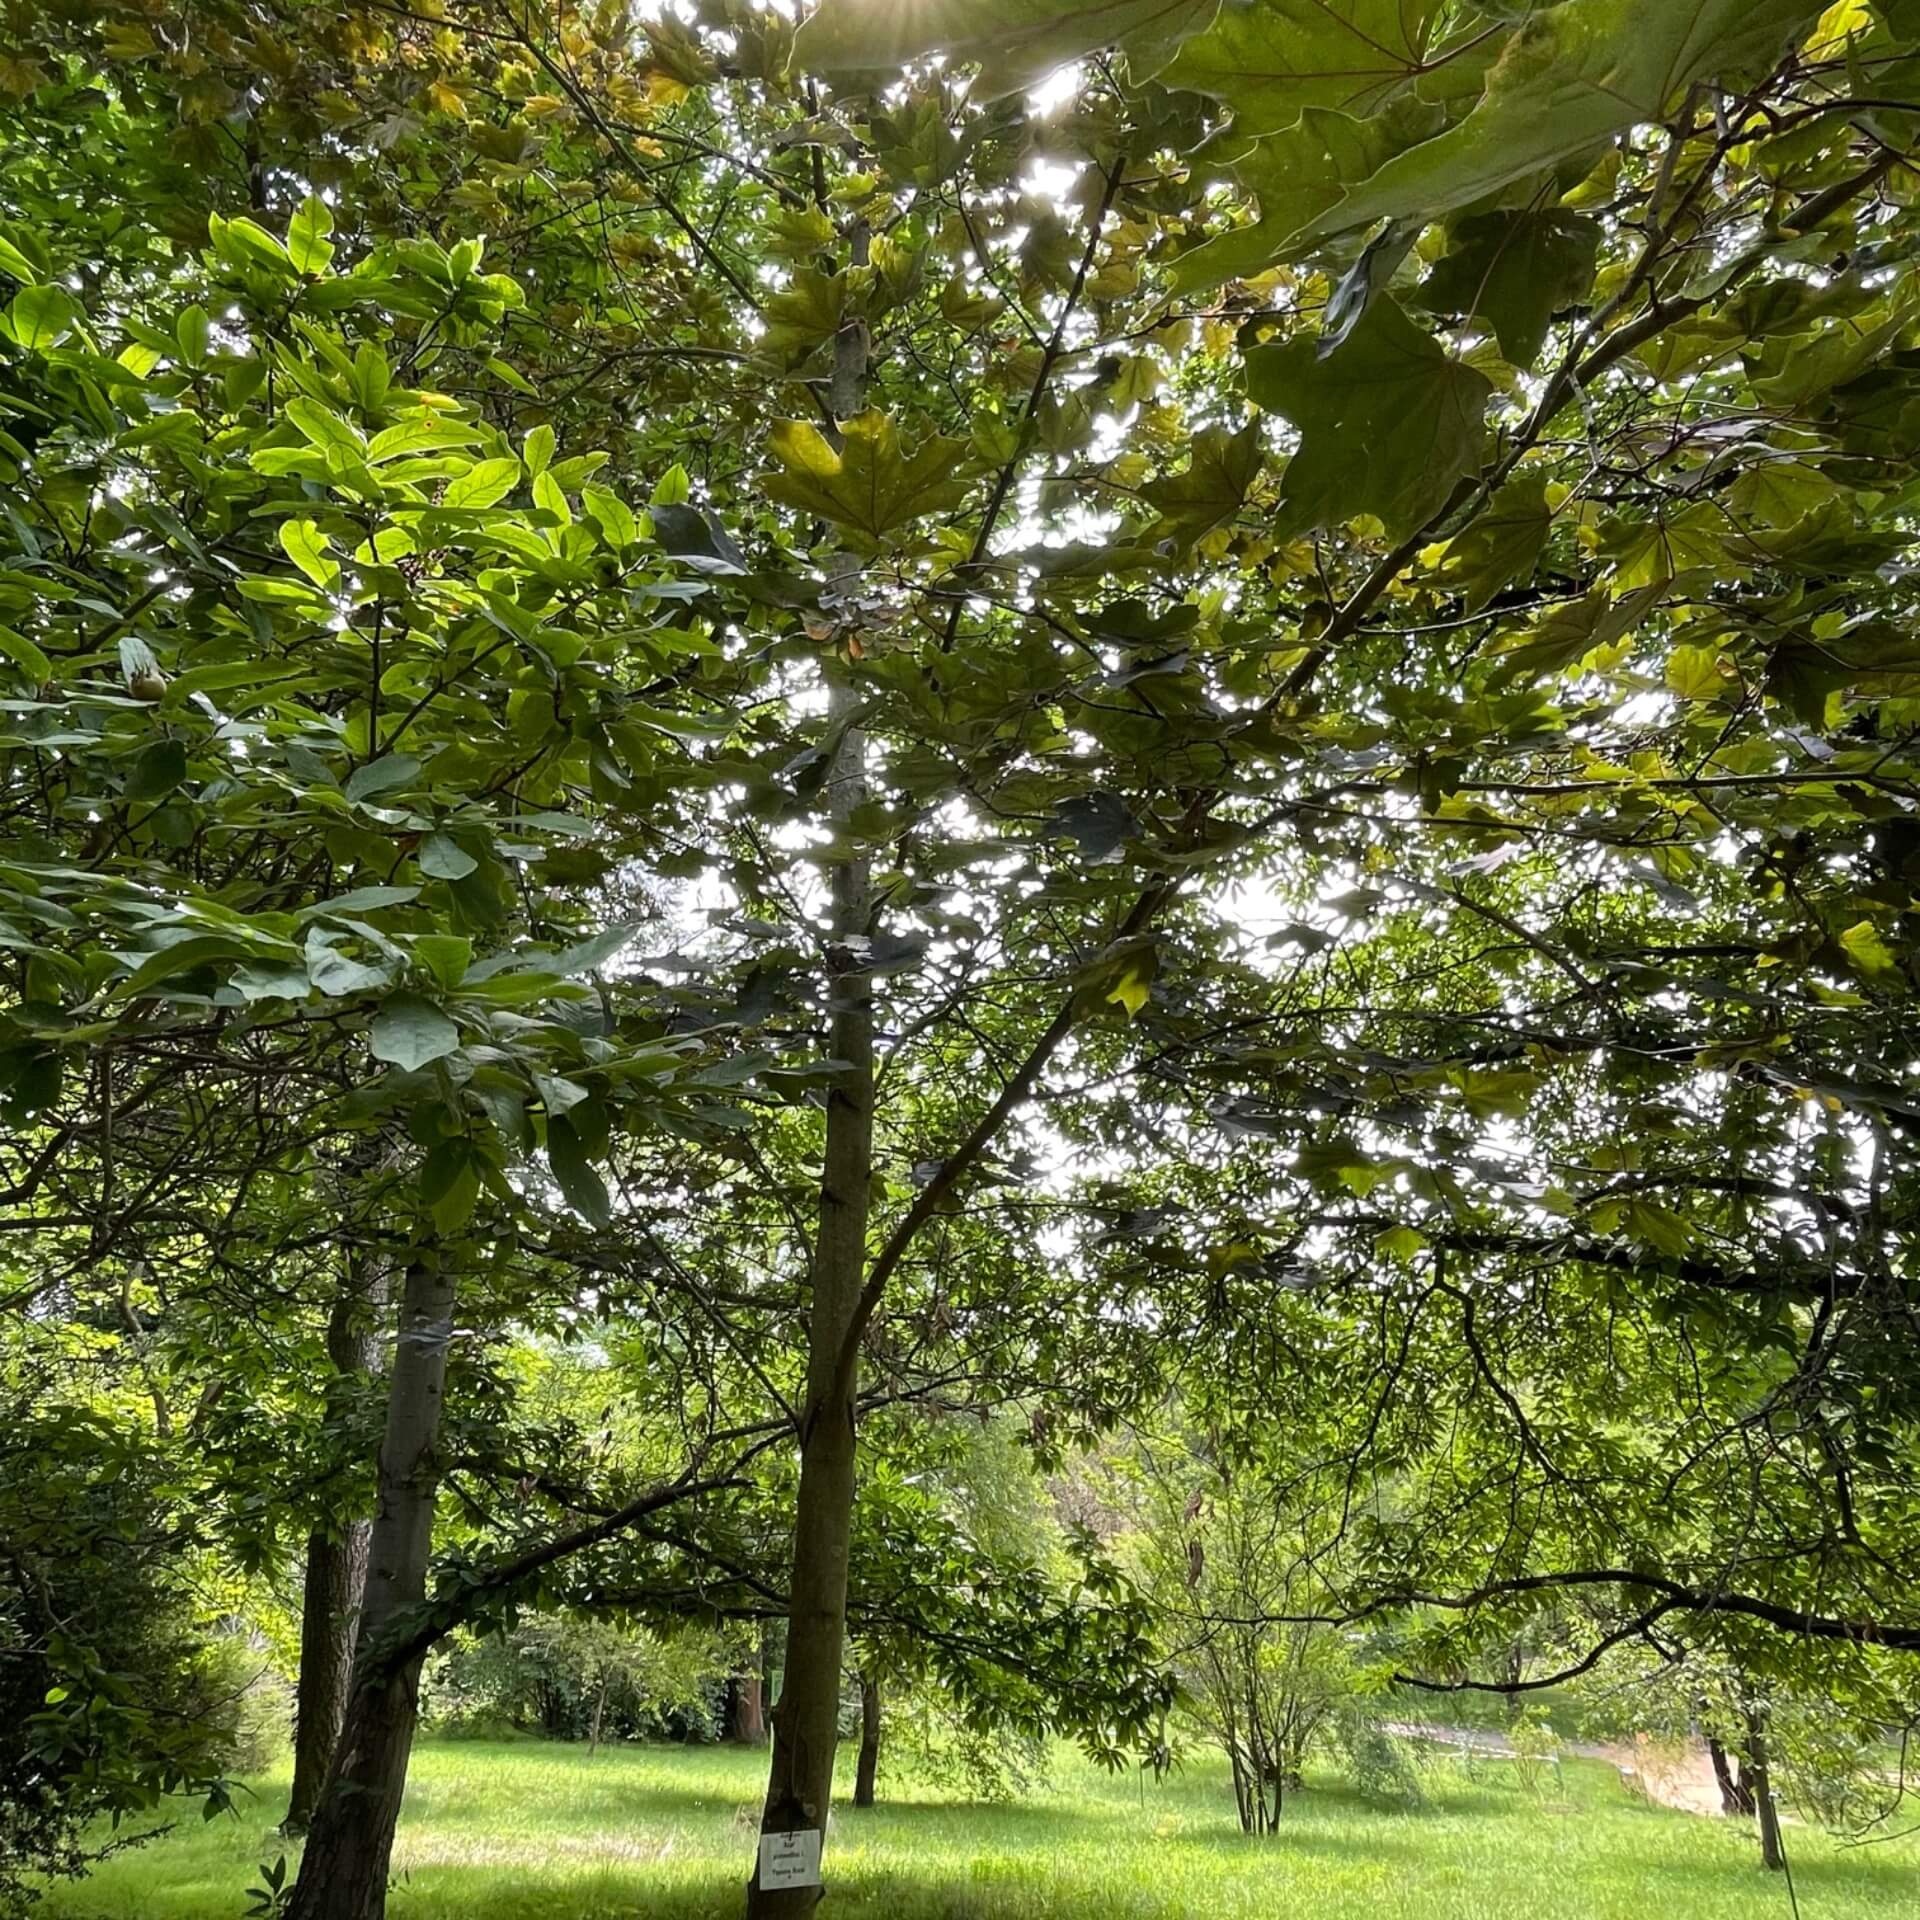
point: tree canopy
(942, 709)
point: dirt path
(1670, 1773)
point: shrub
(1380, 1764)
(110, 1697)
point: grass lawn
(528, 1831)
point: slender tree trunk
(336, 1572)
(863, 1779)
(343, 1874)
(1757, 1775)
(806, 1722)
(773, 1643)
(599, 1715)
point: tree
(1268, 695)
(1219, 1546)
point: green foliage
(1388, 423)
(110, 1696)
(1370, 564)
(580, 1680)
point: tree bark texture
(869, 1767)
(746, 1711)
(343, 1874)
(806, 1721)
(336, 1569)
(1756, 1777)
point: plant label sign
(790, 1859)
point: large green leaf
(42, 316)
(306, 547)
(1211, 487)
(1297, 175)
(484, 484)
(1571, 77)
(308, 246)
(1500, 545)
(1015, 42)
(1512, 272)
(1271, 59)
(409, 1031)
(1388, 423)
(871, 484)
(578, 1178)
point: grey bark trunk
(806, 1722)
(866, 1773)
(1757, 1776)
(343, 1874)
(336, 1570)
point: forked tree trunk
(806, 1721)
(869, 1767)
(336, 1570)
(1734, 1796)
(336, 1577)
(343, 1874)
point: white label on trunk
(790, 1859)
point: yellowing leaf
(1836, 27)
(1133, 985)
(1867, 950)
(1697, 673)
(871, 484)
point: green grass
(527, 1831)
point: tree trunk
(343, 1874)
(599, 1715)
(806, 1721)
(329, 1604)
(1734, 1797)
(773, 1653)
(336, 1571)
(1757, 1776)
(863, 1778)
(746, 1711)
